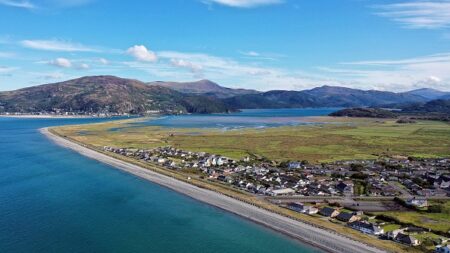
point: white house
(417, 202)
(280, 192)
(366, 227)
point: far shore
(51, 116)
(317, 237)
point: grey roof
(327, 211)
(344, 216)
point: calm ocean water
(55, 200)
(254, 118)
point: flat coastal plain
(306, 233)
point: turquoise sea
(55, 200)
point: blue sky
(393, 45)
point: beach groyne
(306, 233)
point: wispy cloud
(103, 61)
(186, 64)
(400, 75)
(431, 14)
(18, 4)
(67, 64)
(4, 69)
(56, 45)
(251, 53)
(61, 62)
(261, 55)
(435, 58)
(42, 5)
(224, 70)
(244, 3)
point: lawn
(316, 143)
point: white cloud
(141, 53)
(83, 66)
(103, 61)
(18, 4)
(186, 64)
(244, 3)
(434, 79)
(431, 14)
(56, 45)
(61, 62)
(66, 63)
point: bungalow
(300, 208)
(281, 192)
(366, 227)
(329, 212)
(347, 217)
(296, 206)
(407, 239)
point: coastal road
(315, 236)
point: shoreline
(305, 233)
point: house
(296, 206)
(300, 208)
(392, 234)
(329, 212)
(407, 239)
(295, 165)
(281, 192)
(366, 227)
(310, 210)
(442, 249)
(347, 217)
(417, 202)
(345, 187)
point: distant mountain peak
(429, 93)
(204, 86)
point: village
(337, 191)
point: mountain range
(438, 109)
(109, 94)
(103, 94)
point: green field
(349, 139)
(435, 221)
